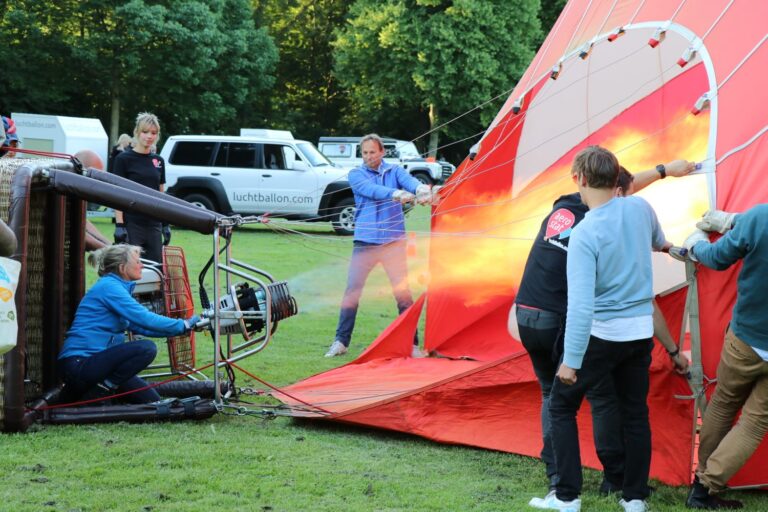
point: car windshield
(407, 149)
(310, 152)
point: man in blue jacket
(742, 374)
(381, 189)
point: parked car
(256, 175)
(345, 151)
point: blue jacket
(379, 219)
(106, 312)
(610, 274)
(748, 241)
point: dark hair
(625, 180)
(598, 165)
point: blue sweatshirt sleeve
(730, 248)
(361, 185)
(405, 180)
(582, 276)
(140, 319)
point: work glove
(716, 220)
(679, 253)
(694, 238)
(403, 196)
(436, 194)
(423, 194)
(121, 234)
(166, 234)
(191, 322)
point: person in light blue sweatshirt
(609, 327)
(742, 374)
(96, 361)
(381, 189)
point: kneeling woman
(96, 361)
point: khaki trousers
(742, 383)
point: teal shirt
(609, 269)
(747, 241)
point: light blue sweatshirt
(609, 269)
(106, 312)
(378, 218)
(748, 240)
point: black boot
(700, 498)
(50, 397)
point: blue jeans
(541, 333)
(365, 257)
(626, 364)
(118, 364)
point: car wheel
(343, 219)
(201, 201)
(423, 177)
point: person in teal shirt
(742, 374)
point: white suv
(345, 151)
(259, 175)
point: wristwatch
(661, 170)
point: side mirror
(299, 165)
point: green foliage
(195, 63)
(550, 10)
(36, 57)
(398, 58)
(307, 98)
(399, 67)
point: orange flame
(481, 241)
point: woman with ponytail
(96, 361)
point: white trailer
(61, 134)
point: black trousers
(627, 365)
(147, 234)
(541, 333)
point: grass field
(246, 463)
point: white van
(255, 175)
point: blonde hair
(146, 120)
(108, 260)
(123, 140)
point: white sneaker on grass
(634, 505)
(550, 502)
(337, 348)
(417, 352)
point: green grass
(246, 463)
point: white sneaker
(634, 505)
(417, 352)
(550, 502)
(337, 348)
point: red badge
(560, 223)
(156, 162)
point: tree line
(403, 68)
